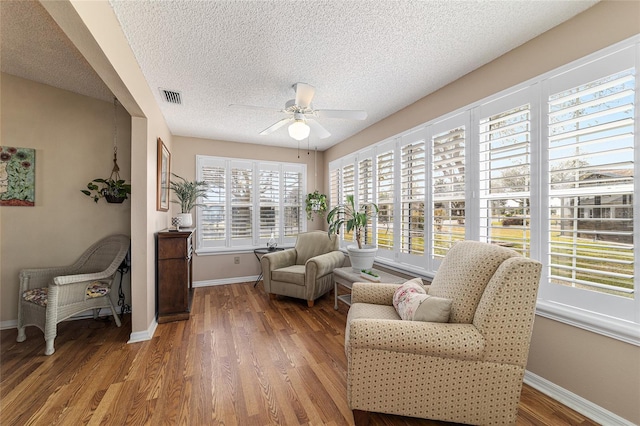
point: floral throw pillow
(414, 304)
(401, 295)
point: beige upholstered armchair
(305, 271)
(51, 295)
(467, 370)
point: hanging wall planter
(113, 189)
(315, 203)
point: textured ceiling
(377, 56)
(35, 48)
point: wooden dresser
(174, 281)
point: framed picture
(164, 176)
(17, 176)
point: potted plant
(315, 203)
(361, 255)
(187, 193)
(112, 190)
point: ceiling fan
(302, 116)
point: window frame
(228, 245)
(534, 92)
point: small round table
(259, 252)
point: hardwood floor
(240, 360)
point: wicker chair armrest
(459, 341)
(79, 278)
(40, 277)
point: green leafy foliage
(107, 188)
(188, 193)
(315, 203)
(354, 219)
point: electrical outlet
(236, 260)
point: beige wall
(183, 163)
(73, 138)
(602, 370)
(94, 29)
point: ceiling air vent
(171, 96)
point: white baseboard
(575, 402)
(224, 281)
(104, 312)
(6, 325)
(142, 336)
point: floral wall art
(17, 176)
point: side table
(259, 252)
(347, 276)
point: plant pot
(186, 220)
(113, 199)
(362, 258)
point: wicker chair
(468, 370)
(51, 295)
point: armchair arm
(278, 259)
(323, 264)
(374, 293)
(459, 341)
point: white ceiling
(378, 56)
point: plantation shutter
(412, 177)
(448, 186)
(213, 214)
(365, 194)
(241, 203)
(348, 188)
(505, 174)
(591, 184)
(269, 216)
(292, 201)
(334, 187)
(385, 198)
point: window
(385, 198)
(448, 188)
(348, 188)
(365, 193)
(505, 177)
(247, 202)
(412, 192)
(546, 168)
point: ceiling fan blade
(275, 126)
(304, 94)
(261, 108)
(318, 130)
(341, 113)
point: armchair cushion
(293, 274)
(37, 296)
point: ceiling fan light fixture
(299, 130)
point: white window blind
(241, 203)
(365, 193)
(293, 199)
(214, 212)
(505, 175)
(448, 186)
(269, 214)
(348, 188)
(591, 185)
(385, 198)
(412, 178)
(247, 201)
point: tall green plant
(355, 219)
(187, 193)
